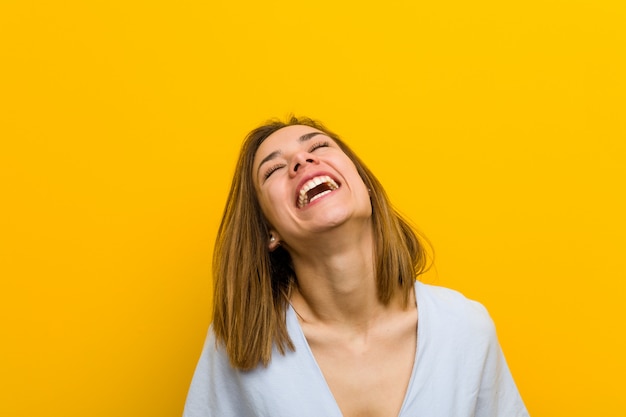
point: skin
(365, 349)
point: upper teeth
(303, 199)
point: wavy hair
(252, 284)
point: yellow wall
(497, 127)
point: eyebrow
(275, 154)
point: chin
(336, 217)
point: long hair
(252, 284)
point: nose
(300, 160)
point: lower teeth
(323, 193)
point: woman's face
(306, 184)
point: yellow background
(497, 127)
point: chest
(368, 378)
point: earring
(272, 239)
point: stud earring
(272, 239)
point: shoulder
(215, 385)
(450, 302)
(459, 359)
(450, 311)
(286, 387)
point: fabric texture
(459, 371)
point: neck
(336, 280)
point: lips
(315, 188)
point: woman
(316, 303)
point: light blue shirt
(459, 371)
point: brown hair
(251, 284)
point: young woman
(317, 311)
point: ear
(274, 241)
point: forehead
(281, 140)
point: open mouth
(315, 188)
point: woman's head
(307, 185)
(252, 281)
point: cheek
(270, 206)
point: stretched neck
(336, 279)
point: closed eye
(318, 145)
(271, 170)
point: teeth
(315, 197)
(303, 199)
